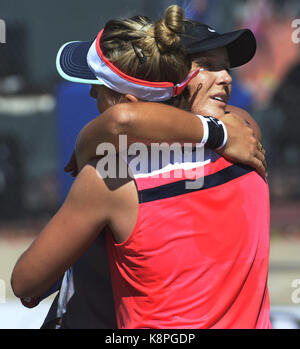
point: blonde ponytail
(148, 51)
(167, 31)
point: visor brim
(241, 45)
(71, 63)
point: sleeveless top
(85, 299)
(198, 254)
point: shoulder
(239, 111)
(89, 196)
(88, 184)
(94, 191)
(247, 117)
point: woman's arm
(155, 122)
(141, 122)
(70, 232)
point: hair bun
(167, 31)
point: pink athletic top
(197, 258)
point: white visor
(113, 78)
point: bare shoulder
(120, 196)
(90, 197)
(88, 184)
(247, 117)
(104, 186)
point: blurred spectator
(285, 101)
(281, 123)
(198, 10)
(11, 176)
(276, 53)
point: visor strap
(177, 89)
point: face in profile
(210, 90)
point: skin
(142, 122)
(215, 80)
(94, 202)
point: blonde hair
(164, 60)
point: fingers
(260, 161)
(71, 165)
(243, 146)
(248, 123)
(260, 155)
(260, 167)
(260, 147)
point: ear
(130, 98)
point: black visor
(240, 44)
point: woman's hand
(142, 122)
(242, 145)
(72, 166)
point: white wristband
(205, 129)
(225, 135)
